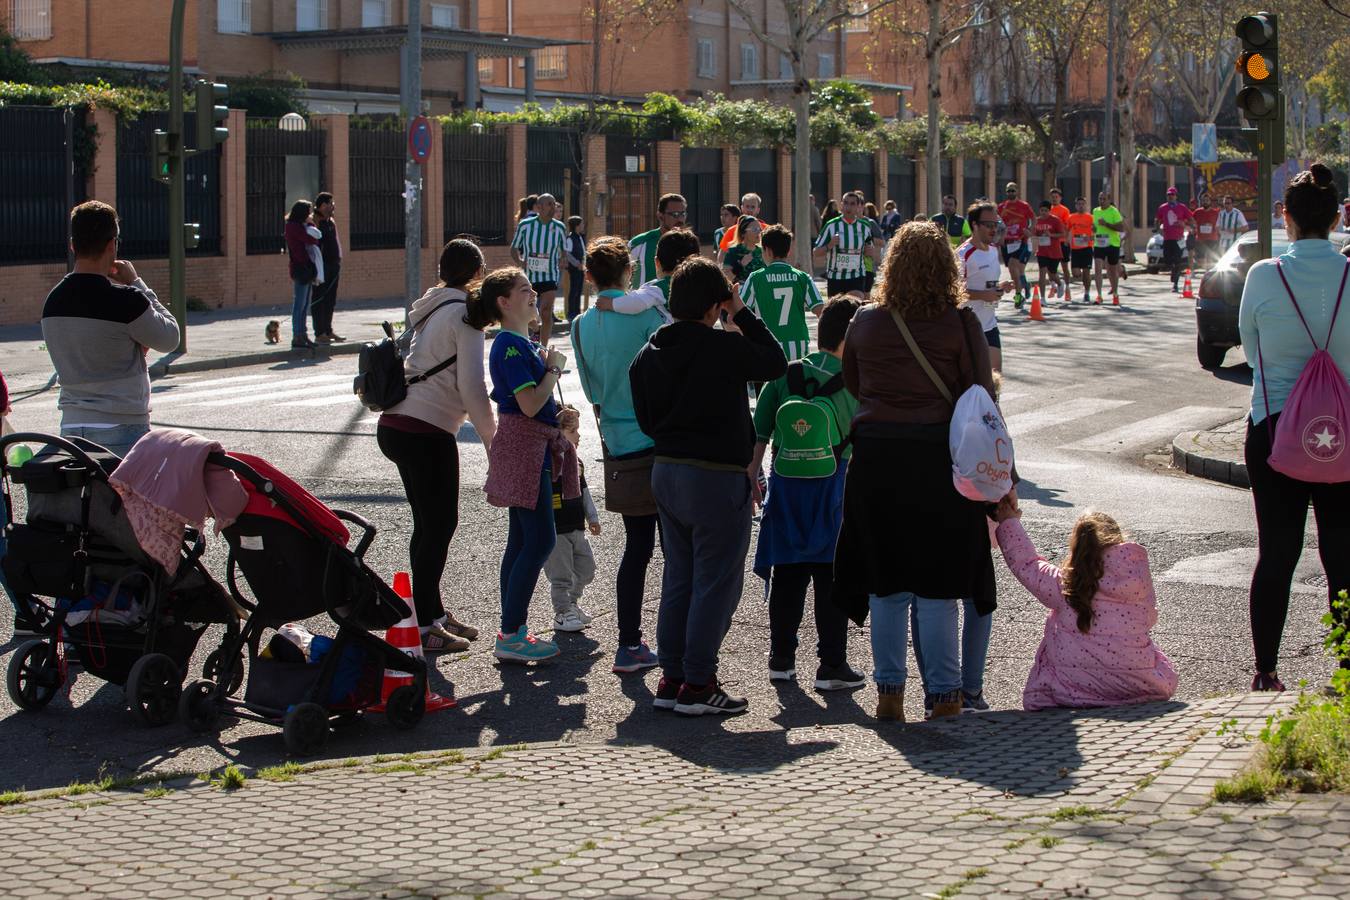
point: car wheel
(1210, 356)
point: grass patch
(397, 767)
(158, 790)
(494, 753)
(1075, 813)
(1048, 841)
(1015, 845)
(231, 778)
(283, 772)
(76, 788)
(12, 798)
(589, 845)
(1251, 786)
(969, 878)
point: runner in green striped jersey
(671, 212)
(537, 246)
(781, 295)
(843, 242)
(730, 215)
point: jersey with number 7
(781, 295)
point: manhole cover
(1317, 581)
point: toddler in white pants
(571, 565)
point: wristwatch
(555, 370)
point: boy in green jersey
(781, 295)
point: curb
(1193, 461)
(170, 364)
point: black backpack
(381, 382)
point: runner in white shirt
(980, 269)
(1231, 224)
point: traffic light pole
(1265, 163)
(177, 188)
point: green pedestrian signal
(162, 153)
(212, 114)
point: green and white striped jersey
(642, 248)
(780, 295)
(541, 244)
(845, 260)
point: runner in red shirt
(1173, 218)
(1048, 234)
(1206, 232)
(1017, 216)
(1081, 228)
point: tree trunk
(933, 175)
(801, 168)
(1128, 166)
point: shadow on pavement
(1045, 496)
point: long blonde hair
(1092, 534)
(919, 276)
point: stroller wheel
(34, 675)
(405, 707)
(305, 729)
(197, 707)
(153, 688)
(211, 670)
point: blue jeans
(118, 438)
(300, 309)
(975, 632)
(936, 628)
(528, 543)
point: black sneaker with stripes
(667, 692)
(695, 701)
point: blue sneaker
(631, 659)
(974, 703)
(523, 647)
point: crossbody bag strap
(918, 355)
(1279, 270)
(595, 408)
(440, 366)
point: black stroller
(77, 564)
(292, 551)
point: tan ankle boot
(891, 707)
(943, 708)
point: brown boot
(459, 629)
(891, 707)
(947, 704)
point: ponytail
(482, 307)
(1092, 534)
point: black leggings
(429, 467)
(1281, 516)
(639, 542)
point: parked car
(1220, 294)
(1154, 254)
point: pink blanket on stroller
(167, 485)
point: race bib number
(847, 259)
(1103, 240)
(991, 284)
(1014, 246)
(1080, 242)
(1206, 229)
(1043, 241)
(537, 263)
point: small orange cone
(1187, 293)
(407, 637)
(1036, 314)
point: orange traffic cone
(1187, 293)
(407, 637)
(1036, 314)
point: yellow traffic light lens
(1255, 67)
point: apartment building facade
(347, 51)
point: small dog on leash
(273, 332)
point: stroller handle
(35, 437)
(368, 530)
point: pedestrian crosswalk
(1038, 420)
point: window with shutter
(550, 62)
(234, 16)
(707, 63)
(31, 20)
(784, 66)
(444, 16)
(376, 13)
(749, 62)
(826, 65)
(311, 15)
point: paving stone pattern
(1107, 803)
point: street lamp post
(177, 189)
(410, 104)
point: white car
(1154, 254)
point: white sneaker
(584, 616)
(568, 621)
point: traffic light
(161, 170)
(1258, 63)
(192, 235)
(212, 114)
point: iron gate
(34, 220)
(475, 183)
(701, 185)
(143, 202)
(553, 166)
(265, 150)
(759, 175)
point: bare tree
(805, 21)
(1198, 49)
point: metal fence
(1070, 183)
(759, 175)
(143, 202)
(553, 166)
(945, 166)
(475, 183)
(1035, 189)
(701, 185)
(266, 198)
(820, 181)
(1157, 193)
(859, 171)
(376, 156)
(1005, 170)
(972, 181)
(36, 183)
(900, 181)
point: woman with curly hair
(908, 538)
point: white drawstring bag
(982, 450)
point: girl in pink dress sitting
(1096, 650)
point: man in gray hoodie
(99, 323)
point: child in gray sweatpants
(571, 565)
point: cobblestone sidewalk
(1110, 803)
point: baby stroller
(76, 562)
(292, 551)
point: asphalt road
(1093, 397)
